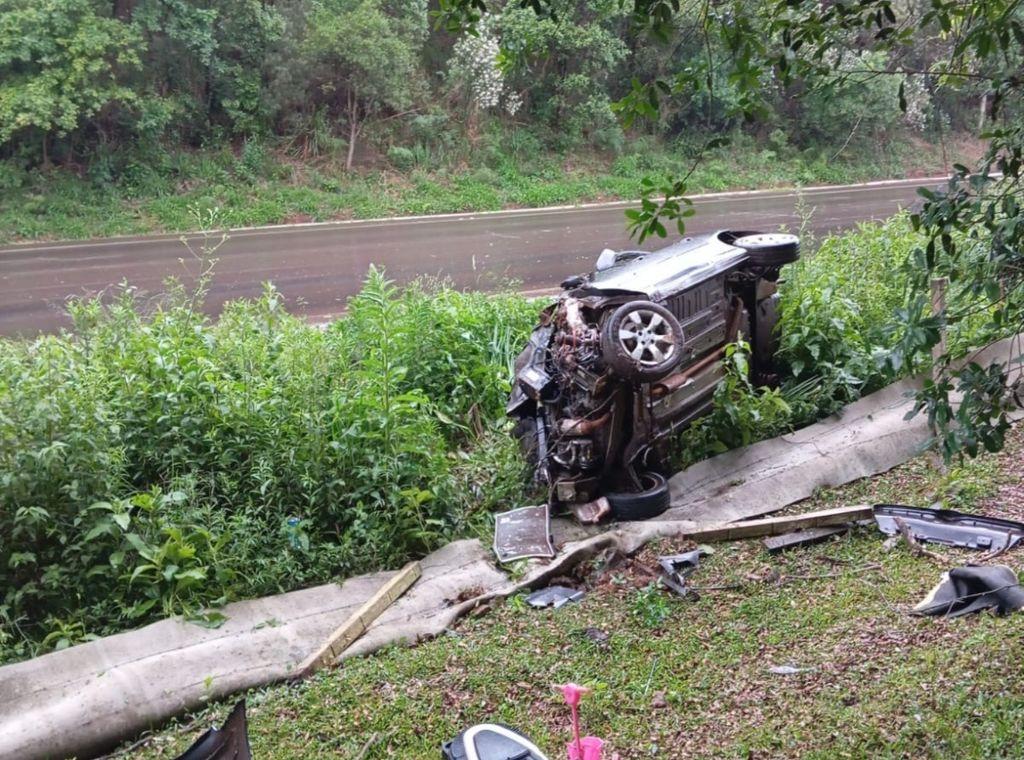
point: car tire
(641, 505)
(650, 351)
(770, 249)
(525, 431)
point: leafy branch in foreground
(973, 227)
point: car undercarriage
(630, 354)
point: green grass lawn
(691, 678)
(159, 196)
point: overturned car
(630, 354)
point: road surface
(318, 266)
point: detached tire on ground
(641, 505)
(770, 249)
(641, 341)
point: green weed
(154, 462)
(651, 606)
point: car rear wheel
(770, 249)
(642, 341)
(641, 505)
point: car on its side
(631, 353)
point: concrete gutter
(84, 700)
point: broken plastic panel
(491, 741)
(523, 532)
(971, 589)
(676, 568)
(553, 596)
(944, 526)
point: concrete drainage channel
(84, 700)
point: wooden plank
(773, 526)
(776, 544)
(356, 625)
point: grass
(879, 682)
(257, 186)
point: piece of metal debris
(523, 532)
(597, 636)
(229, 742)
(945, 526)
(806, 537)
(963, 590)
(676, 568)
(592, 512)
(553, 596)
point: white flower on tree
(474, 63)
(918, 102)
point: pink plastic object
(589, 747)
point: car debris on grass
(676, 568)
(949, 527)
(879, 682)
(229, 742)
(553, 596)
(523, 533)
(964, 590)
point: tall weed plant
(838, 339)
(837, 309)
(155, 462)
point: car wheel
(770, 249)
(641, 505)
(525, 432)
(641, 341)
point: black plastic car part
(641, 341)
(971, 589)
(491, 741)
(230, 742)
(770, 249)
(641, 505)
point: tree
(565, 64)
(61, 63)
(974, 227)
(209, 57)
(366, 58)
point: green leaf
(145, 551)
(97, 530)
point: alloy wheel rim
(647, 338)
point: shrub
(254, 161)
(401, 158)
(837, 306)
(161, 463)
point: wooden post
(774, 526)
(356, 625)
(939, 285)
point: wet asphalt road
(318, 266)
